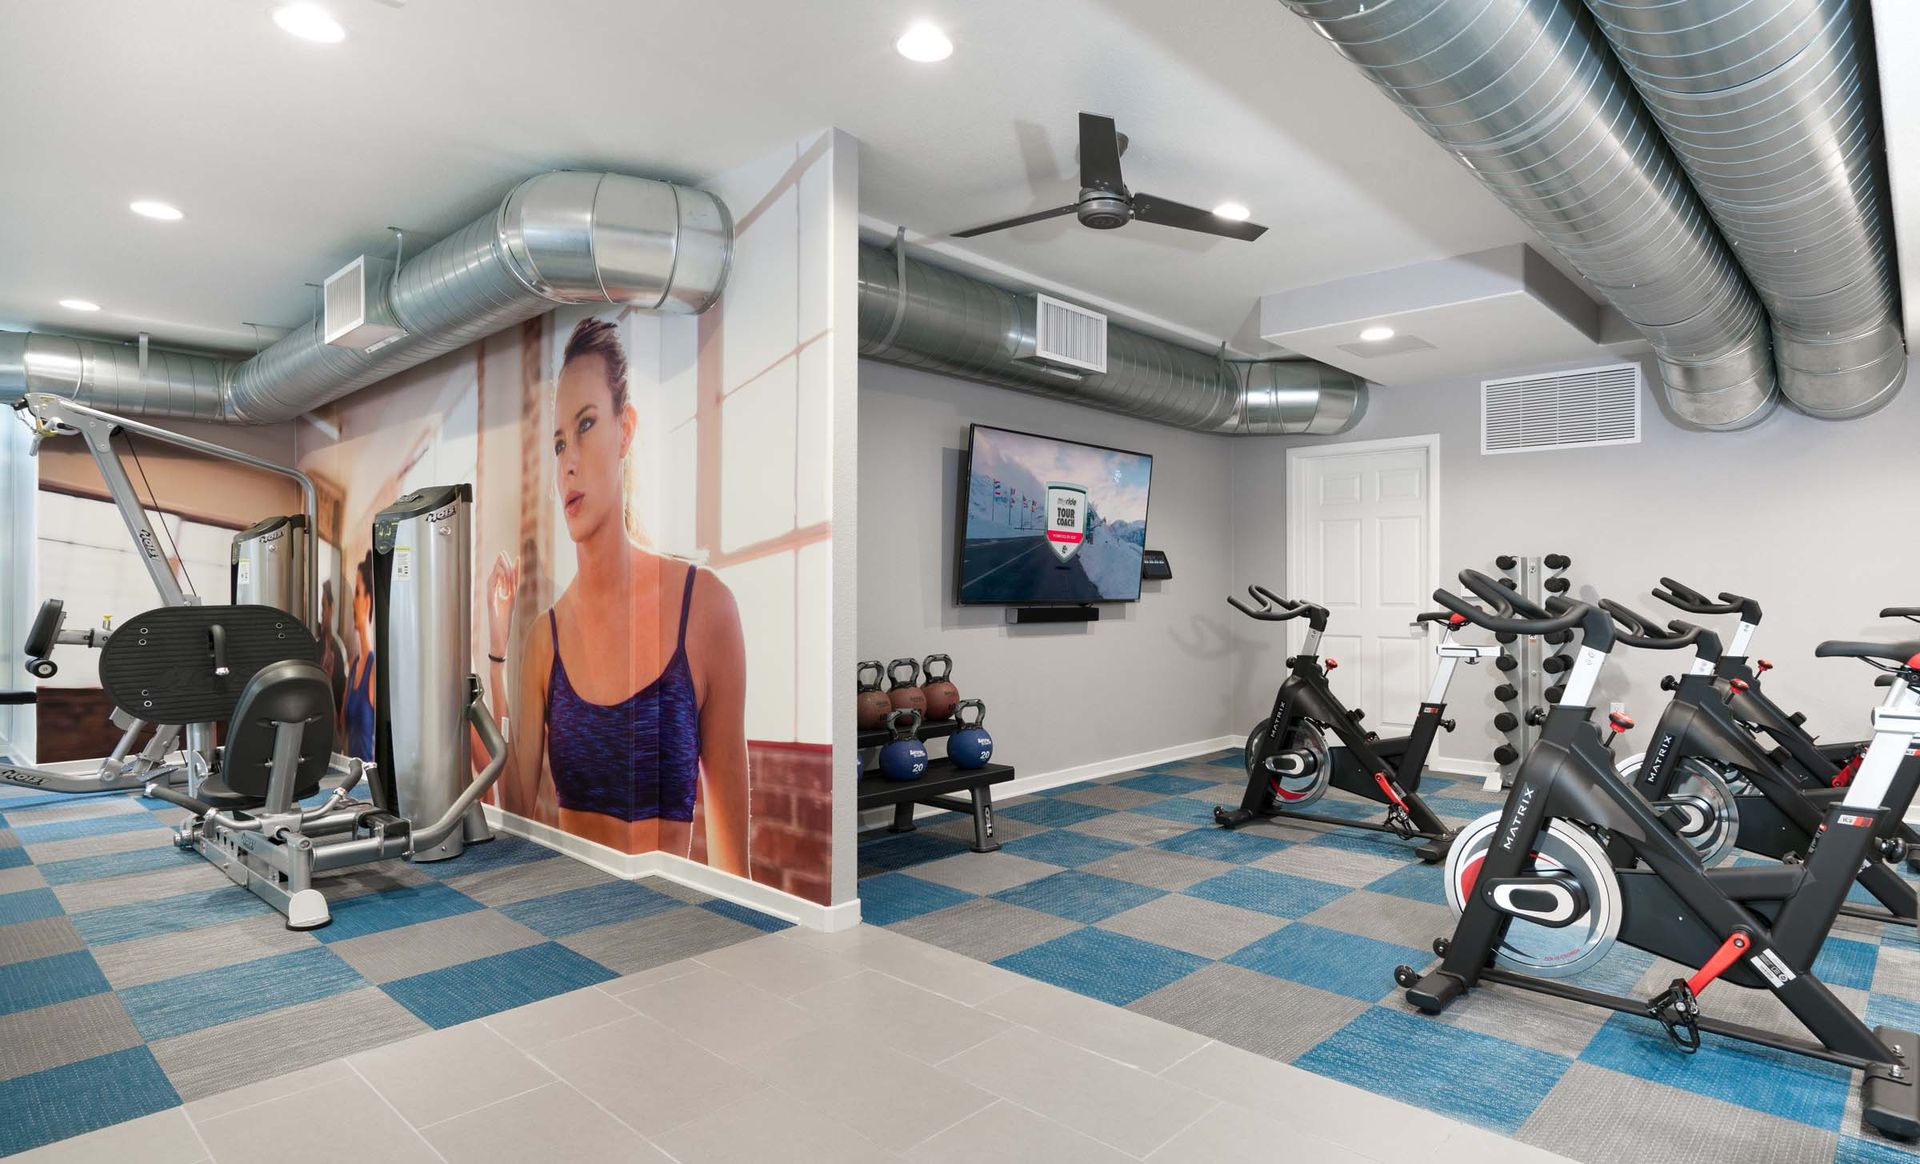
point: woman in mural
(359, 701)
(630, 702)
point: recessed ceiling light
(309, 22)
(79, 305)
(924, 43)
(1374, 335)
(1233, 211)
(159, 210)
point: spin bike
(1722, 789)
(1538, 898)
(1291, 763)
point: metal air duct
(566, 236)
(1528, 96)
(951, 323)
(1772, 107)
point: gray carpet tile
(985, 929)
(1328, 863)
(1133, 828)
(40, 938)
(504, 886)
(1107, 796)
(191, 875)
(675, 890)
(1753, 1008)
(982, 873)
(1206, 928)
(49, 852)
(66, 1032)
(434, 945)
(78, 809)
(1897, 971)
(641, 944)
(1268, 1016)
(8, 840)
(1005, 828)
(1386, 917)
(21, 878)
(171, 955)
(1557, 1025)
(369, 879)
(1646, 1121)
(1157, 868)
(210, 1061)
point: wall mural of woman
(629, 706)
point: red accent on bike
(1763, 666)
(1620, 721)
(1387, 787)
(1729, 951)
(1914, 663)
(1282, 793)
(1332, 663)
(1456, 620)
(1468, 874)
(1848, 771)
(1740, 686)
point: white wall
(1151, 675)
(1816, 519)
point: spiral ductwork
(1527, 94)
(943, 321)
(561, 237)
(1772, 106)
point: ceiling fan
(1106, 203)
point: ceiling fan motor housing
(1103, 209)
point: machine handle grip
(1498, 594)
(217, 635)
(1912, 612)
(1575, 615)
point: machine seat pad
(289, 691)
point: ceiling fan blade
(1099, 154)
(1023, 220)
(1166, 212)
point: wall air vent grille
(1070, 335)
(1561, 410)
(352, 315)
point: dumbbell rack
(944, 785)
(1526, 661)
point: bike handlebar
(1575, 615)
(1912, 612)
(1674, 636)
(1693, 602)
(1274, 608)
(1499, 594)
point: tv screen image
(1049, 520)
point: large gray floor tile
(442, 1074)
(925, 1025)
(942, 971)
(553, 1123)
(648, 1077)
(734, 1019)
(1007, 1134)
(843, 1073)
(779, 965)
(1118, 1105)
(768, 1126)
(165, 1137)
(1106, 1030)
(347, 1121)
(1233, 1133)
(247, 1095)
(559, 1017)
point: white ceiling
(289, 158)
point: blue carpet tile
(192, 1002)
(141, 940)
(1111, 967)
(484, 986)
(80, 1097)
(1468, 1065)
(566, 913)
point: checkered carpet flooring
(134, 976)
(1282, 939)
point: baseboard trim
(1046, 781)
(692, 874)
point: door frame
(1297, 459)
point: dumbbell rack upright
(1527, 661)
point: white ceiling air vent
(353, 311)
(1068, 336)
(1561, 410)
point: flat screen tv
(1045, 520)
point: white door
(1361, 540)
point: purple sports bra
(637, 759)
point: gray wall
(1816, 519)
(1149, 675)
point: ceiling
(290, 158)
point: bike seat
(1900, 652)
